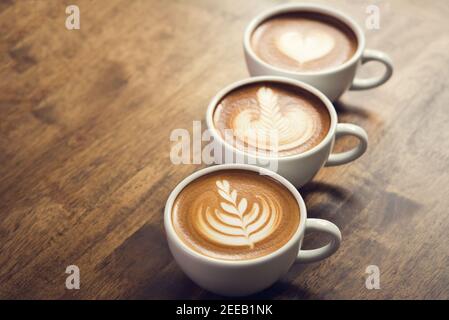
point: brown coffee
(269, 118)
(304, 41)
(235, 215)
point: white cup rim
(278, 79)
(238, 263)
(318, 8)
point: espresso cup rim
(305, 7)
(169, 229)
(278, 79)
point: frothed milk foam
(298, 119)
(304, 42)
(235, 215)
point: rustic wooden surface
(85, 119)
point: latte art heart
(304, 41)
(305, 47)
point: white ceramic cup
(299, 168)
(333, 82)
(244, 277)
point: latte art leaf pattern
(272, 125)
(237, 222)
(235, 214)
(270, 113)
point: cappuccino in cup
(281, 124)
(312, 43)
(235, 215)
(297, 119)
(236, 229)
(304, 41)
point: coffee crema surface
(304, 42)
(272, 119)
(235, 215)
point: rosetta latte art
(238, 222)
(273, 119)
(290, 127)
(235, 215)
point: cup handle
(344, 129)
(307, 256)
(374, 55)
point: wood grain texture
(85, 120)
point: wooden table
(85, 120)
